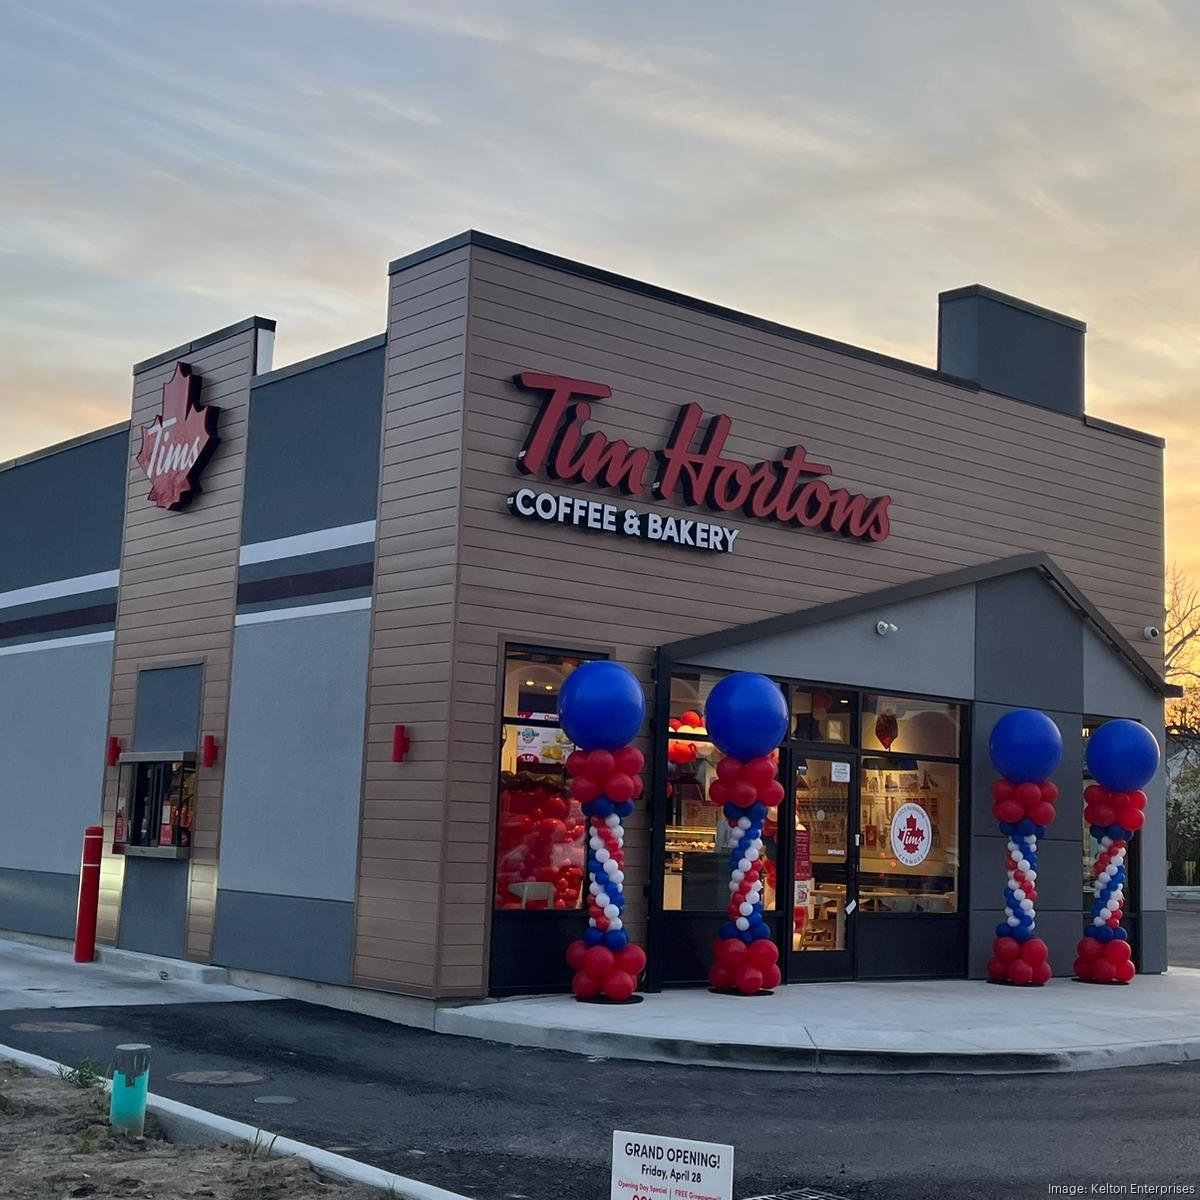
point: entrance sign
(178, 443)
(912, 834)
(625, 522)
(645, 1167)
(791, 490)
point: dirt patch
(55, 1143)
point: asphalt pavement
(506, 1123)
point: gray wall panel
(294, 764)
(932, 651)
(53, 710)
(168, 708)
(154, 907)
(1150, 942)
(71, 505)
(312, 460)
(294, 936)
(41, 902)
(1029, 648)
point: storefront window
(908, 726)
(822, 845)
(160, 799)
(698, 842)
(908, 861)
(540, 830)
(822, 715)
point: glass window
(162, 799)
(908, 862)
(821, 851)
(540, 831)
(698, 839)
(822, 714)
(908, 726)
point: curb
(813, 1059)
(187, 1125)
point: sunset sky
(169, 168)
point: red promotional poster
(803, 854)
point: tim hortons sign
(792, 489)
(178, 443)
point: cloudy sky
(171, 167)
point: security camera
(883, 628)
(1151, 633)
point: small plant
(86, 1074)
(87, 1143)
(257, 1148)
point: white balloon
(618, 876)
(1097, 920)
(602, 899)
(752, 853)
(744, 822)
(602, 855)
(733, 883)
(738, 876)
(1031, 875)
(610, 866)
(742, 924)
(616, 923)
(745, 909)
(1019, 893)
(1013, 921)
(744, 864)
(1027, 906)
(612, 820)
(612, 912)
(1106, 913)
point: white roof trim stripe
(358, 604)
(308, 543)
(60, 587)
(64, 643)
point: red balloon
(629, 760)
(720, 976)
(1020, 973)
(772, 976)
(619, 986)
(748, 979)
(1125, 972)
(718, 792)
(598, 962)
(772, 795)
(1137, 799)
(599, 765)
(759, 771)
(619, 788)
(585, 986)
(631, 960)
(1042, 973)
(576, 762)
(1131, 818)
(1103, 814)
(729, 770)
(1003, 789)
(1083, 967)
(584, 789)
(1117, 952)
(742, 794)
(1006, 949)
(1095, 794)
(1035, 951)
(1009, 810)
(1042, 813)
(763, 953)
(732, 952)
(575, 952)
(1103, 971)
(1049, 792)
(1090, 947)
(997, 970)
(1029, 794)
(692, 717)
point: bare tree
(1181, 633)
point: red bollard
(89, 894)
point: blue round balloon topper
(1122, 755)
(746, 715)
(601, 706)
(1025, 746)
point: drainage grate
(803, 1194)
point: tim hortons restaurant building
(296, 636)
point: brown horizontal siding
(400, 881)
(176, 605)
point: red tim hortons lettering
(790, 490)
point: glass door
(824, 867)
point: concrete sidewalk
(936, 1025)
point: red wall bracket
(210, 751)
(112, 752)
(401, 744)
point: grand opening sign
(646, 1167)
(791, 490)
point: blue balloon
(746, 715)
(593, 936)
(1025, 746)
(616, 939)
(601, 706)
(728, 930)
(1120, 934)
(1122, 755)
(1025, 827)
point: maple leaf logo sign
(912, 835)
(178, 443)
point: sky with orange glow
(169, 169)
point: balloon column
(601, 708)
(747, 717)
(1122, 757)
(1025, 747)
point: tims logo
(177, 445)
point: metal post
(130, 1085)
(89, 894)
